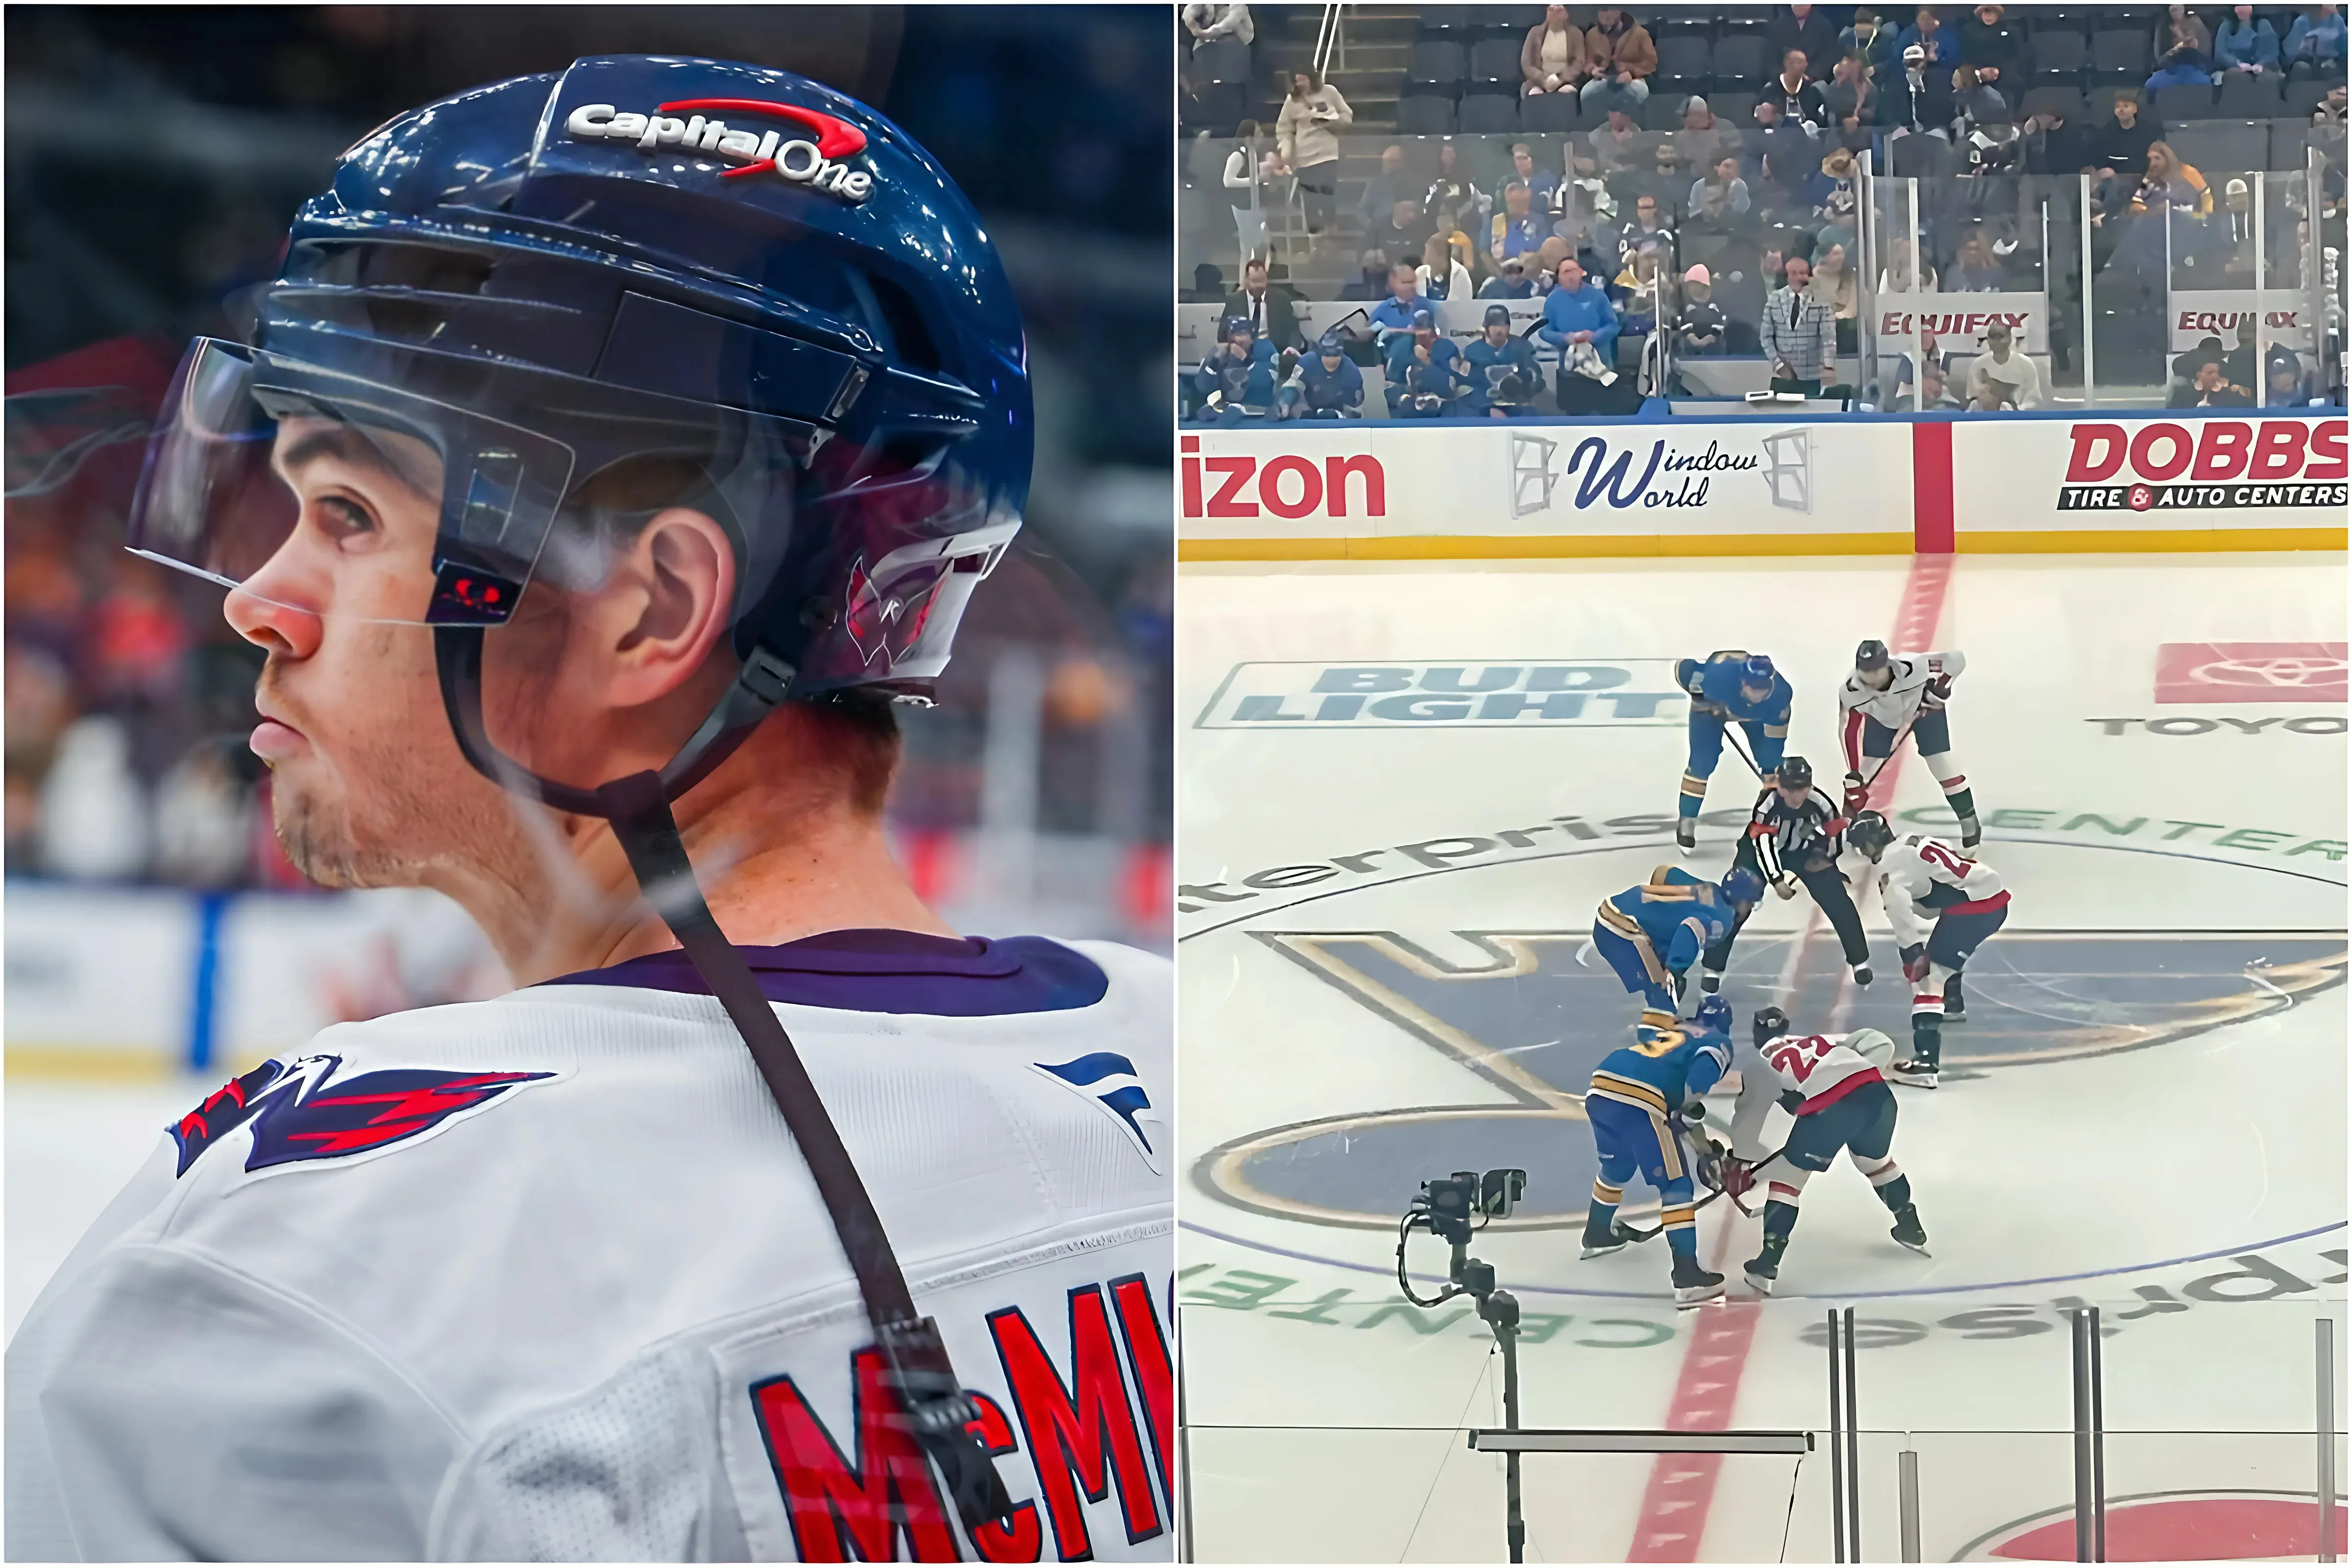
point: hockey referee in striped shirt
(1795, 835)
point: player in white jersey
(1888, 694)
(1943, 904)
(1835, 1086)
(590, 504)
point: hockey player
(1635, 1107)
(1502, 369)
(1652, 934)
(1327, 385)
(1834, 1086)
(1237, 381)
(1426, 380)
(1795, 835)
(1888, 694)
(591, 504)
(1729, 688)
(1942, 904)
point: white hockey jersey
(1922, 879)
(1896, 706)
(1822, 1068)
(545, 1278)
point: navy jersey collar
(875, 971)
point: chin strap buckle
(940, 1414)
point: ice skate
(1862, 975)
(1694, 1284)
(1600, 1244)
(1686, 834)
(1970, 834)
(1710, 981)
(1915, 1072)
(1909, 1231)
(1763, 1270)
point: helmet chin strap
(932, 1406)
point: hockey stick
(1731, 736)
(1637, 1235)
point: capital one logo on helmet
(796, 159)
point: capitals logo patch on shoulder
(298, 1114)
(1110, 1081)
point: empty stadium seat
(1918, 157)
(2121, 49)
(1489, 114)
(2219, 148)
(2046, 99)
(2175, 104)
(1495, 61)
(1221, 60)
(2302, 100)
(2057, 51)
(1736, 109)
(1664, 112)
(1688, 55)
(1446, 21)
(2288, 139)
(1424, 114)
(1551, 114)
(2245, 97)
(1434, 65)
(1742, 58)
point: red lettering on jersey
(1023, 1539)
(1082, 1434)
(1799, 1058)
(1936, 854)
(839, 1514)
(1148, 1357)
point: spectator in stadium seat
(1544, 271)
(1452, 188)
(1371, 281)
(1643, 228)
(1424, 371)
(1807, 30)
(1851, 100)
(1621, 58)
(2315, 43)
(1308, 133)
(1663, 182)
(2120, 143)
(1210, 19)
(2283, 385)
(1994, 45)
(1392, 316)
(1500, 368)
(1700, 329)
(1446, 226)
(1919, 99)
(1990, 398)
(2331, 110)
(1799, 334)
(1941, 44)
(1552, 59)
(1401, 233)
(1703, 139)
(1742, 290)
(1208, 285)
(1874, 40)
(1329, 386)
(1795, 96)
(1617, 147)
(1236, 382)
(1539, 182)
(1830, 192)
(2184, 52)
(1635, 291)
(2210, 389)
(1519, 227)
(1578, 310)
(1834, 284)
(1720, 200)
(1979, 102)
(1785, 152)
(1935, 393)
(2238, 364)
(2054, 144)
(2016, 375)
(1441, 276)
(2171, 185)
(2245, 42)
(1385, 189)
(1976, 271)
(1896, 277)
(1510, 282)
(1266, 309)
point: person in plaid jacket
(1799, 333)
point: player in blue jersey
(1635, 1108)
(1652, 934)
(1730, 686)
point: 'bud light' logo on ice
(1592, 471)
(694, 126)
(1521, 694)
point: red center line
(1673, 1520)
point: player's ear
(664, 604)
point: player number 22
(1937, 855)
(1799, 1058)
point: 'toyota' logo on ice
(801, 162)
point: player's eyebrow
(346, 443)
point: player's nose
(268, 625)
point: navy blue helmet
(558, 301)
(1742, 886)
(1756, 671)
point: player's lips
(274, 738)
